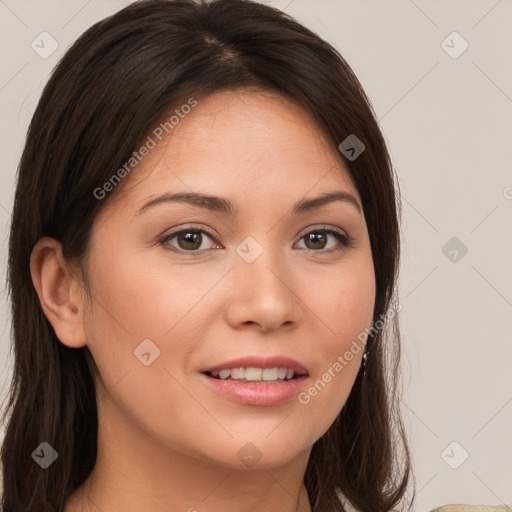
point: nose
(262, 294)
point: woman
(202, 267)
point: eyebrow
(221, 205)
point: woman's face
(261, 281)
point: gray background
(448, 123)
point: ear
(59, 292)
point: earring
(365, 356)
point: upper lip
(260, 362)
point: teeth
(255, 374)
(224, 374)
(270, 374)
(237, 373)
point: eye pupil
(314, 237)
(190, 238)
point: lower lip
(257, 393)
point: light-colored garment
(449, 508)
(472, 508)
(444, 508)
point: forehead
(250, 130)
(243, 145)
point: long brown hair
(102, 99)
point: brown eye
(192, 240)
(317, 240)
(187, 240)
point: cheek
(354, 304)
(346, 312)
(136, 300)
(147, 298)
(346, 302)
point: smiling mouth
(216, 376)
(264, 387)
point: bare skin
(166, 441)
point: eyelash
(346, 242)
